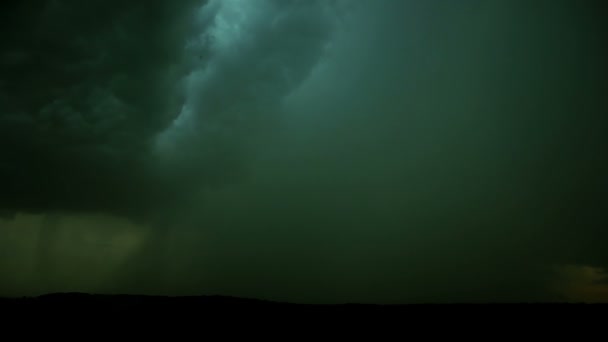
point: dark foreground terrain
(101, 314)
(151, 313)
(81, 302)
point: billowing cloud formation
(91, 92)
(85, 88)
(252, 54)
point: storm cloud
(311, 151)
(93, 93)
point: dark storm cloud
(401, 151)
(87, 88)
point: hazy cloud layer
(582, 283)
(41, 254)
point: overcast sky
(317, 151)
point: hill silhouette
(76, 300)
(157, 312)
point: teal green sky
(305, 151)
